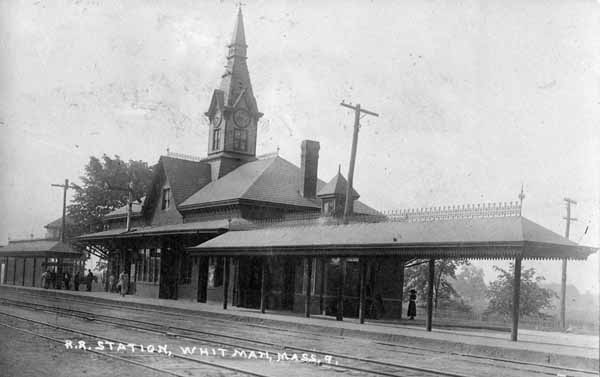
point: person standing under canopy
(412, 305)
(90, 278)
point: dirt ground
(23, 355)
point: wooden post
(563, 294)
(431, 277)
(515, 299)
(308, 280)
(263, 286)
(402, 264)
(33, 272)
(236, 282)
(225, 281)
(24, 266)
(363, 277)
(349, 205)
(15, 271)
(340, 298)
(322, 290)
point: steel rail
(465, 355)
(338, 366)
(340, 356)
(94, 336)
(96, 352)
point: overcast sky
(475, 98)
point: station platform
(543, 347)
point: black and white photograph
(299, 188)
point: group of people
(121, 285)
(51, 279)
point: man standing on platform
(90, 278)
(77, 280)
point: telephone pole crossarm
(361, 110)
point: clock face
(241, 118)
(217, 118)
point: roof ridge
(32, 240)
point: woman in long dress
(412, 306)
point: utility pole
(563, 282)
(348, 208)
(65, 187)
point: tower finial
(339, 168)
(521, 197)
(239, 35)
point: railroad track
(371, 369)
(349, 362)
(184, 367)
(413, 350)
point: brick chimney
(309, 166)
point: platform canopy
(39, 248)
(474, 238)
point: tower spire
(239, 35)
(233, 112)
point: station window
(148, 266)
(156, 264)
(166, 198)
(240, 139)
(215, 272)
(216, 141)
(328, 207)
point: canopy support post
(340, 292)
(402, 265)
(363, 276)
(307, 279)
(431, 277)
(515, 299)
(263, 286)
(33, 272)
(322, 288)
(225, 281)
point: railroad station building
(260, 232)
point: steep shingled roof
(336, 186)
(271, 179)
(185, 177)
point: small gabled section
(174, 180)
(217, 103)
(333, 196)
(336, 186)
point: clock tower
(233, 113)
